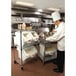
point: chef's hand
(53, 31)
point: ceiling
(44, 4)
(40, 4)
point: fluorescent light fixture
(40, 10)
(24, 3)
(37, 13)
(48, 16)
(54, 9)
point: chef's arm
(56, 36)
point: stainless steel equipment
(25, 41)
(47, 50)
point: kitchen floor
(33, 68)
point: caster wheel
(15, 62)
(21, 68)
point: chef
(58, 36)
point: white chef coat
(59, 36)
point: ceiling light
(54, 9)
(48, 16)
(37, 13)
(24, 3)
(40, 10)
